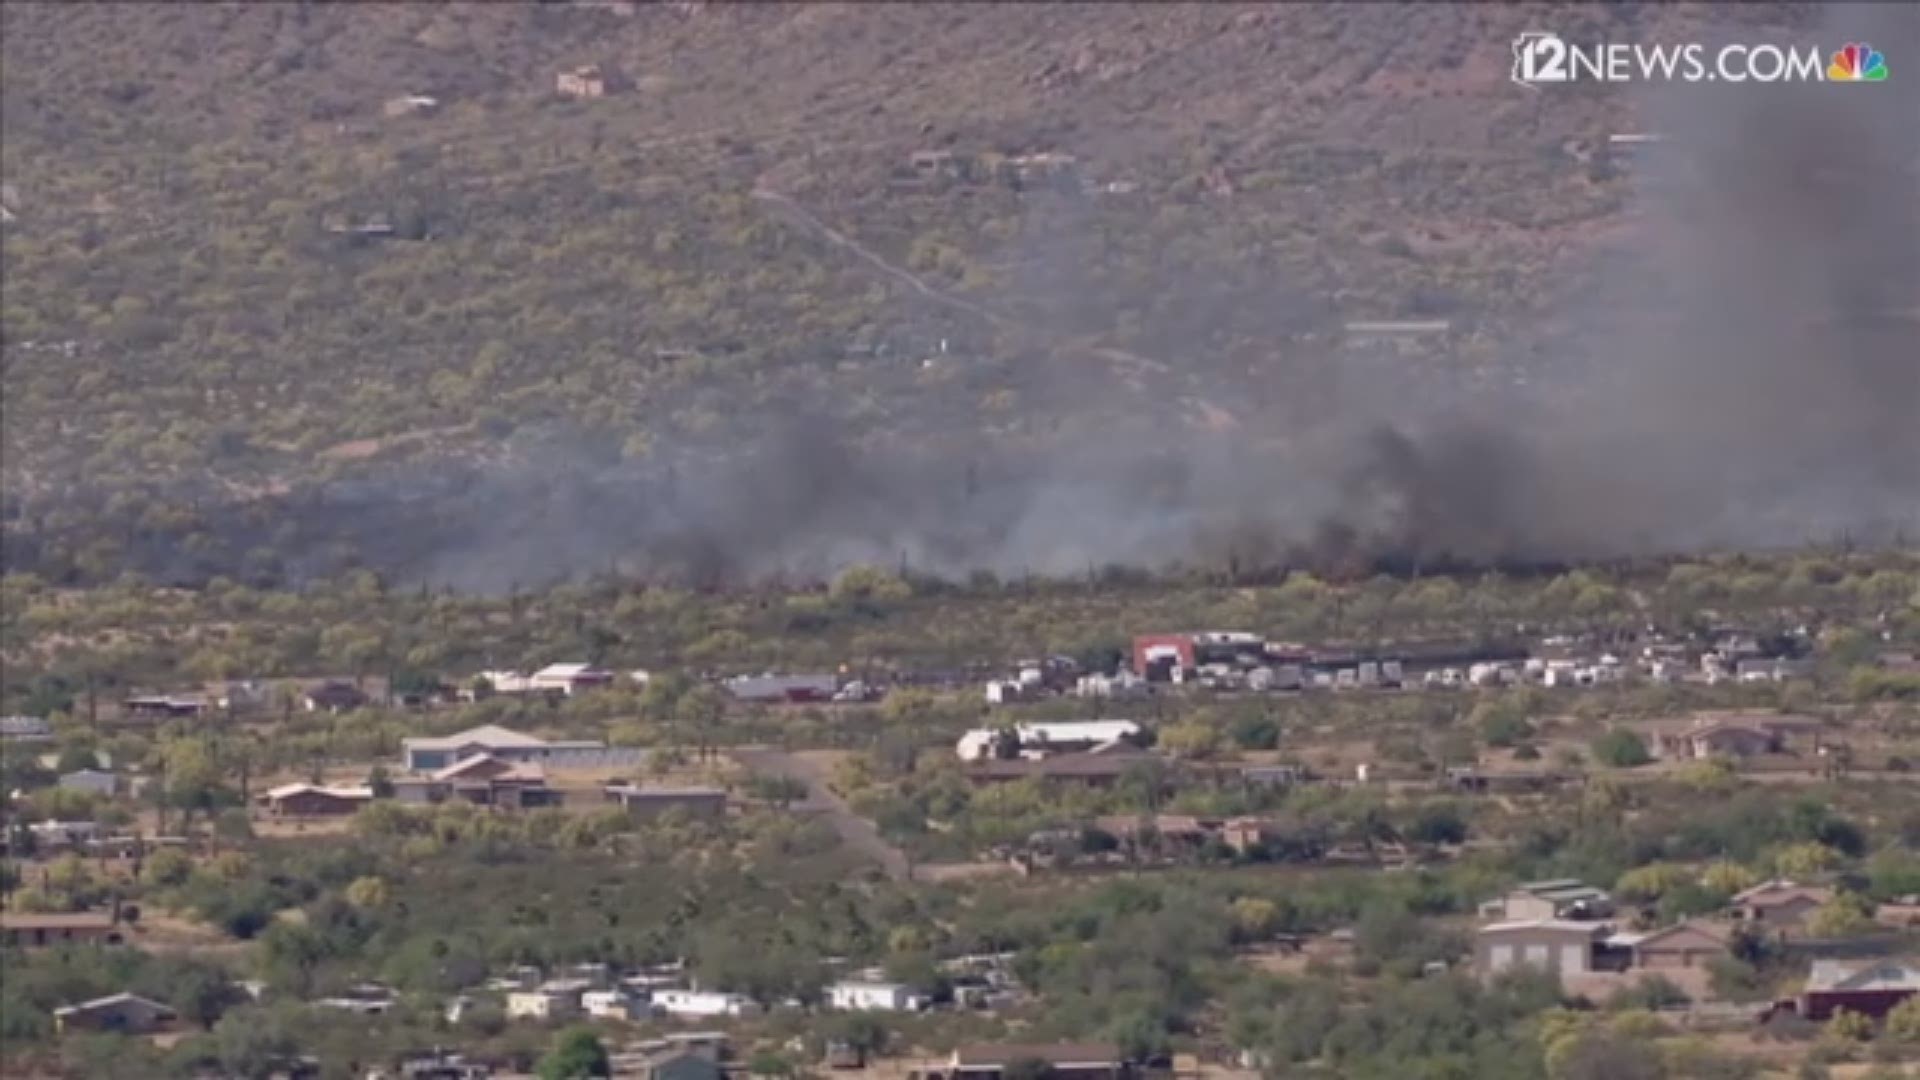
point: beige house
(553, 1001)
(1557, 946)
(590, 81)
(1730, 735)
(1683, 945)
(1780, 905)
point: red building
(1155, 654)
(1151, 649)
(1870, 987)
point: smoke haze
(1748, 375)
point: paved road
(855, 831)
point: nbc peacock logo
(1858, 62)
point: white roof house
(508, 682)
(24, 728)
(978, 744)
(676, 1002)
(427, 753)
(117, 1012)
(874, 995)
(1087, 731)
(1568, 926)
(91, 781)
(338, 791)
(1830, 975)
(609, 1004)
(569, 678)
(64, 831)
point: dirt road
(855, 831)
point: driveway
(855, 831)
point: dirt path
(872, 258)
(855, 831)
(810, 221)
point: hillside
(729, 237)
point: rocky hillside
(264, 245)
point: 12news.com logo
(1541, 57)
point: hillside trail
(808, 220)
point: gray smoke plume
(1749, 376)
(1755, 374)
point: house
(935, 164)
(1898, 663)
(92, 782)
(713, 1045)
(442, 1065)
(242, 695)
(615, 1004)
(1031, 170)
(874, 995)
(678, 1002)
(1901, 911)
(1062, 1061)
(1779, 905)
(89, 927)
(1167, 832)
(1032, 740)
(24, 729)
(431, 754)
(125, 1013)
(1273, 775)
(488, 683)
(61, 835)
(426, 755)
(590, 81)
(362, 999)
(408, 104)
(570, 679)
(679, 1056)
(645, 802)
(1095, 768)
(163, 707)
(558, 1000)
(482, 779)
(1559, 946)
(1871, 988)
(1245, 834)
(1736, 735)
(1729, 740)
(771, 689)
(1122, 685)
(1683, 945)
(1171, 657)
(1004, 691)
(1564, 898)
(314, 800)
(376, 226)
(671, 1063)
(334, 697)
